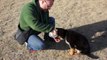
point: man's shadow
(96, 34)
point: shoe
(29, 49)
(32, 51)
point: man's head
(46, 4)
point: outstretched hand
(54, 35)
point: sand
(88, 17)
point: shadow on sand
(96, 32)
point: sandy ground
(88, 17)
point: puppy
(77, 42)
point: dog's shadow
(96, 34)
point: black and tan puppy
(77, 42)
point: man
(34, 19)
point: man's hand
(54, 35)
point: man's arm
(34, 23)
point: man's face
(46, 4)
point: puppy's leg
(74, 51)
(68, 44)
(77, 51)
(71, 51)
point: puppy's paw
(77, 51)
(71, 51)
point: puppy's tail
(92, 56)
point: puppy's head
(60, 33)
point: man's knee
(52, 20)
(35, 43)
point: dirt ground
(88, 17)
